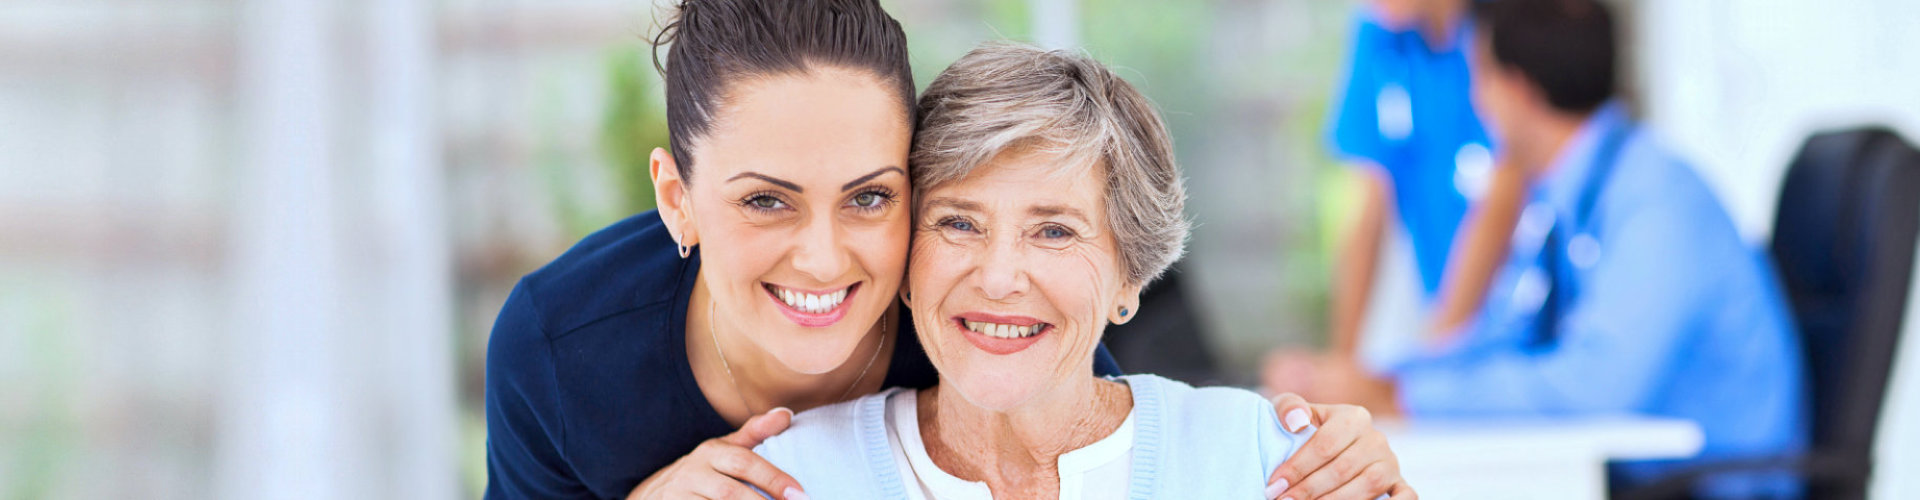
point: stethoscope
(1561, 255)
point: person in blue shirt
(1627, 289)
(1404, 121)
(652, 356)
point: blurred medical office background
(253, 248)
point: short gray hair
(1005, 96)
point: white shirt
(1184, 443)
(1097, 471)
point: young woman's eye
(765, 203)
(870, 199)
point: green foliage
(635, 122)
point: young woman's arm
(1346, 458)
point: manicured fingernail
(1274, 490)
(793, 493)
(783, 408)
(1296, 420)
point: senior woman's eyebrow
(864, 178)
(954, 203)
(774, 180)
(1043, 211)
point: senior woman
(1047, 198)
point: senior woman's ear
(1126, 306)
(676, 209)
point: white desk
(1530, 458)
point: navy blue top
(588, 386)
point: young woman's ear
(1126, 306)
(670, 194)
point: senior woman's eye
(955, 223)
(1054, 232)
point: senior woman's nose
(1002, 273)
(819, 252)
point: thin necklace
(711, 333)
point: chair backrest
(1843, 240)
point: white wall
(340, 376)
(1736, 85)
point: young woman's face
(799, 198)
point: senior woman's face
(1013, 276)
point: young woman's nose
(820, 252)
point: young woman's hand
(724, 467)
(1345, 459)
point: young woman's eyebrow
(864, 178)
(775, 181)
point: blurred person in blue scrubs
(1627, 287)
(1404, 121)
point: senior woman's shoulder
(1185, 403)
(1220, 440)
(827, 449)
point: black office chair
(1843, 241)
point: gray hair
(1004, 96)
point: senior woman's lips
(812, 308)
(1000, 335)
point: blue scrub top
(1658, 307)
(588, 387)
(1406, 107)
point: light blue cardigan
(1187, 443)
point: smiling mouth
(1000, 335)
(810, 302)
(1004, 331)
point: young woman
(648, 359)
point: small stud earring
(1123, 311)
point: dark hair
(1564, 46)
(712, 44)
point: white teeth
(997, 330)
(810, 303)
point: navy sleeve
(1103, 363)
(523, 422)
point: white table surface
(1535, 458)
